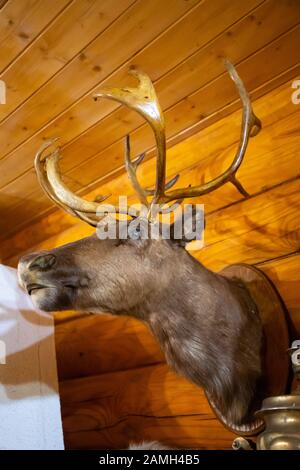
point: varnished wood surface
(78, 44)
(106, 411)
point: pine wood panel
(23, 21)
(110, 410)
(51, 52)
(89, 346)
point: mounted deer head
(206, 324)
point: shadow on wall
(29, 342)
(24, 344)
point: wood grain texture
(87, 113)
(21, 22)
(153, 403)
(88, 68)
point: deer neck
(202, 321)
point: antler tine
(251, 125)
(131, 168)
(143, 99)
(39, 164)
(168, 185)
(48, 174)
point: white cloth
(30, 415)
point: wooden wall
(114, 384)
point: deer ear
(188, 226)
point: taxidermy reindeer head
(205, 323)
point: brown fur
(202, 321)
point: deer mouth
(34, 287)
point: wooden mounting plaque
(276, 339)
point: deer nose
(43, 262)
(29, 265)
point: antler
(251, 125)
(50, 180)
(143, 99)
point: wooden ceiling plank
(275, 144)
(135, 27)
(252, 231)
(20, 158)
(81, 156)
(24, 160)
(55, 48)
(21, 22)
